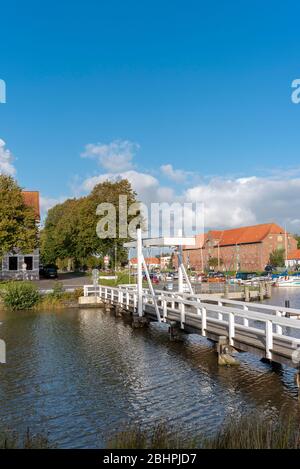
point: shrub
(160, 436)
(11, 440)
(77, 293)
(251, 431)
(20, 295)
(58, 291)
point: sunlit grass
(253, 431)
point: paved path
(72, 280)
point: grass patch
(159, 436)
(11, 440)
(253, 431)
(122, 278)
(58, 299)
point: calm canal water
(80, 374)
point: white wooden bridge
(270, 332)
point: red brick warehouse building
(247, 248)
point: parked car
(153, 277)
(48, 271)
(242, 277)
(202, 277)
(216, 277)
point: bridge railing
(269, 324)
(270, 309)
(269, 327)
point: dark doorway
(29, 262)
(13, 263)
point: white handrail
(222, 312)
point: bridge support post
(139, 322)
(268, 290)
(118, 312)
(261, 291)
(175, 332)
(139, 248)
(247, 294)
(297, 381)
(224, 349)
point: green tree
(58, 238)
(277, 258)
(70, 227)
(18, 227)
(215, 262)
(297, 237)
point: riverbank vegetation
(24, 295)
(19, 295)
(11, 440)
(253, 431)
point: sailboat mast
(285, 245)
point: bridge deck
(266, 331)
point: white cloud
(114, 157)
(6, 160)
(176, 175)
(228, 201)
(242, 201)
(144, 184)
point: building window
(13, 263)
(279, 238)
(29, 262)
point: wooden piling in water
(224, 349)
(226, 290)
(247, 293)
(175, 332)
(261, 291)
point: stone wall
(33, 274)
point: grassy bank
(11, 440)
(64, 300)
(122, 278)
(254, 431)
(19, 295)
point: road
(70, 279)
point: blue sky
(202, 86)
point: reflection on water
(281, 294)
(80, 373)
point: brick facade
(246, 248)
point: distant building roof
(148, 260)
(32, 199)
(243, 235)
(294, 255)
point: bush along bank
(24, 295)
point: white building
(293, 259)
(152, 262)
(165, 262)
